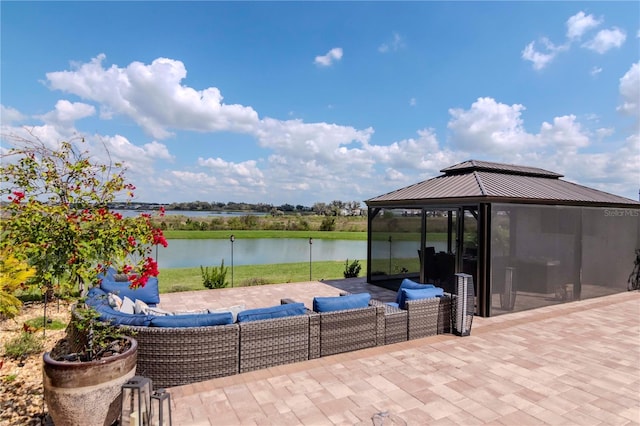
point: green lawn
(183, 279)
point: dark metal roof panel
(495, 186)
(438, 187)
(536, 188)
(477, 165)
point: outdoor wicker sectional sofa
(173, 356)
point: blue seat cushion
(278, 311)
(192, 320)
(413, 294)
(149, 294)
(407, 283)
(108, 314)
(340, 303)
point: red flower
(18, 196)
(158, 237)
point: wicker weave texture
(348, 330)
(178, 356)
(273, 342)
(314, 334)
(445, 315)
(422, 318)
(396, 325)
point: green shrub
(214, 278)
(51, 324)
(177, 288)
(253, 282)
(351, 270)
(24, 344)
(328, 223)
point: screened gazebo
(527, 237)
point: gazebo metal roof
(483, 181)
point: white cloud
(606, 40)
(408, 153)
(10, 115)
(193, 183)
(66, 113)
(541, 59)
(565, 133)
(413, 102)
(307, 140)
(243, 173)
(327, 60)
(394, 45)
(139, 160)
(630, 91)
(595, 71)
(577, 26)
(489, 126)
(580, 23)
(153, 97)
(306, 161)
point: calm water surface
(194, 253)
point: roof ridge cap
(479, 182)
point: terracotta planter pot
(87, 393)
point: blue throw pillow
(412, 294)
(407, 283)
(340, 303)
(96, 295)
(278, 311)
(149, 294)
(194, 320)
(108, 314)
(109, 275)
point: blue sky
(297, 102)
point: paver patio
(571, 364)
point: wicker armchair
(428, 317)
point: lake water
(195, 253)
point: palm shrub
(13, 275)
(214, 277)
(351, 270)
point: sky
(305, 102)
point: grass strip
(186, 279)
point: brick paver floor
(571, 364)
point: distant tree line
(334, 208)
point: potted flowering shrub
(57, 220)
